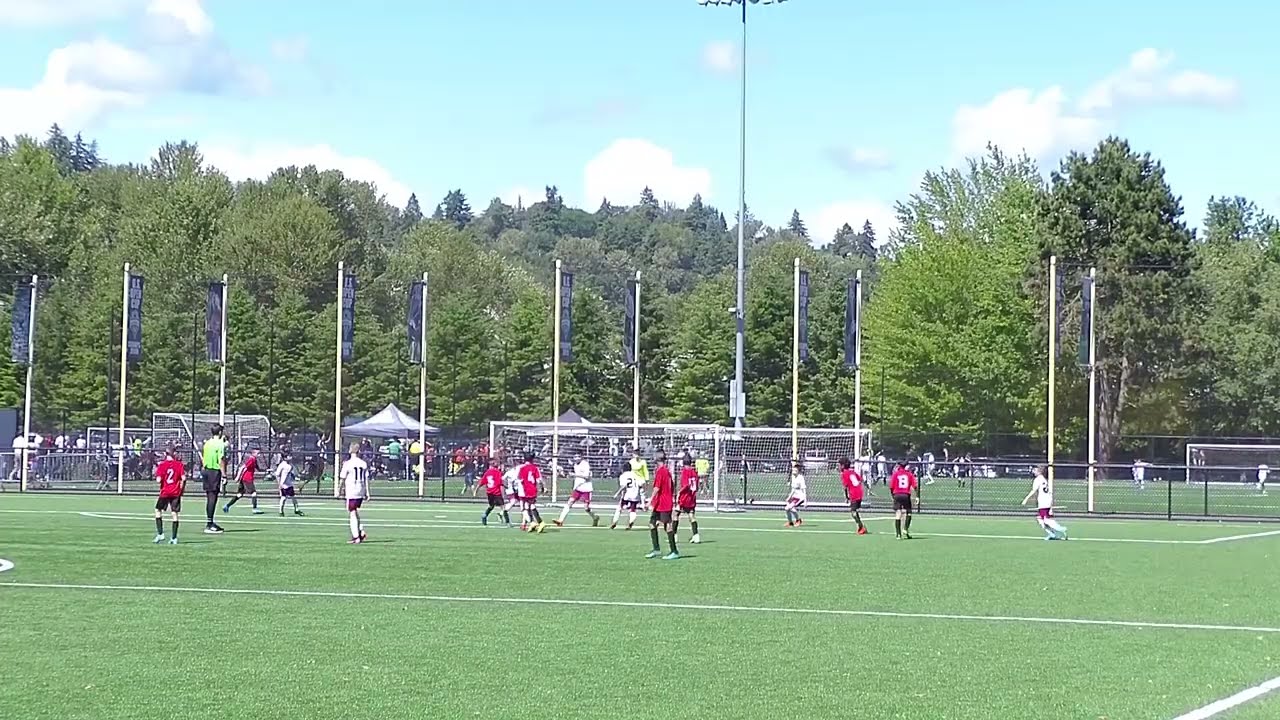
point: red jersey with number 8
(169, 473)
(902, 482)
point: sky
(849, 102)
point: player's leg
(693, 525)
(161, 504)
(535, 515)
(897, 517)
(234, 500)
(671, 540)
(253, 499)
(564, 511)
(906, 524)
(675, 520)
(595, 519)
(176, 510)
(653, 535)
(617, 513)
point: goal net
(1222, 464)
(105, 438)
(745, 466)
(187, 430)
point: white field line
(1216, 708)
(5, 565)
(1248, 536)
(649, 605)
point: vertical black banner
(804, 315)
(852, 323)
(134, 334)
(414, 324)
(629, 326)
(1086, 320)
(213, 323)
(1057, 318)
(566, 317)
(348, 301)
(20, 347)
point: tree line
(955, 337)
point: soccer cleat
(595, 520)
(540, 528)
(630, 525)
(226, 509)
(213, 530)
(790, 524)
(484, 519)
(256, 511)
(906, 536)
(524, 527)
(653, 554)
(354, 541)
(559, 523)
(363, 535)
(696, 539)
(159, 539)
(613, 526)
(281, 513)
(299, 513)
(862, 531)
(173, 541)
(671, 556)
(799, 522)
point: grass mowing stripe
(649, 605)
(1216, 708)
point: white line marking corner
(1214, 709)
(5, 565)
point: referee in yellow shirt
(213, 465)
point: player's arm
(1027, 499)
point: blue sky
(849, 102)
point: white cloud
(60, 12)
(81, 82)
(1046, 123)
(720, 56)
(824, 223)
(260, 160)
(188, 16)
(855, 160)
(621, 172)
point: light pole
(737, 402)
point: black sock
(908, 528)
(695, 527)
(210, 506)
(858, 519)
(254, 500)
(487, 511)
(897, 526)
(175, 528)
(159, 526)
(537, 516)
(675, 526)
(233, 501)
(653, 535)
(671, 540)
(506, 517)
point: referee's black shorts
(211, 480)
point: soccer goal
(755, 465)
(188, 430)
(104, 438)
(1229, 464)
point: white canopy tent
(390, 422)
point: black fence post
(972, 478)
(1169, 499)
(1206, 494)
(444, 470)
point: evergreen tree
(454, 209)
(796, 226)
(412, 212)
(62, 149)
(866, 247)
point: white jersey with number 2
(799, 489)
(1044, 493)
(355, 475)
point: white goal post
(188, 430)
(747, 466)
(1229, 463)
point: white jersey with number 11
(355, 475)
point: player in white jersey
(631, 491)
(1263, 472)
(285, 478)
(799, 494)
(510, 483)
(1140, 474)
(355, 477)
(926, 467)
(1042, 491)
(582, 488)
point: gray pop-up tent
(390, 422)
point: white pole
(337, 386)
(740, 314)
(31, 358)
(635, 377)
(795, 362)
(1053, 360)
(717, 434)
(124, 378)
(222, 369)
(555, 389)
(1093, 382)
(857, 358)
(422, 392)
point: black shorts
(495, 501)
(286, 491)
(211, 480)
(902, 502)
(631, 505)
(855, 505)
(169, 503)
(660, 517)
(247, 488)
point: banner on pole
(803, 314)
(629, 326)
(566, 317)
(213, 322)
(1060, 306)
(852, 324)
(348, 316)
(20, 346)
(414, 325)
(134, 335)
(1086, 320)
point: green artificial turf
(439, 617)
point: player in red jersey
(530, 478)
(170, 474)
(902, 484)
(491, 481)
(248, 484)
(687, 499)
(854, 489)
(660, 503)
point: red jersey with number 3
(852, 482)
(169, 473)
(662, 490)
(492, 481)
(902, 482)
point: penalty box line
(569, 602)
(1218, 707)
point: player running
(582, 488)
(1043, 492)
(511, 494)
(285, 479)
(902, 485)
(660, 502)
(854, 489)
(1140, 474)
(355, 476)
(213, 464)
(248, 485)
(631, 490)
(798, 496)
(530, 478)
(1263, 472)
(687, 499)
(491, 481)
(170, 475)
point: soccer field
(439, 617)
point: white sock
(281, 503)
(564, 512)
(295, 504)
(1054, 526)
(631, 517)
(524, 517)
(617, 512)
(355, 525)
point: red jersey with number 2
(662, 490)
(852, 482)
(902, 482)
(169, 473)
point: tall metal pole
(635, 377)
(795, 362)
(337, 386)
(555, 389)
(422, 392)
(857, 358)
(31, 357)
(222, 369)
(1093, 383)
(195, 351)
(1053, 358)
(739, 347)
